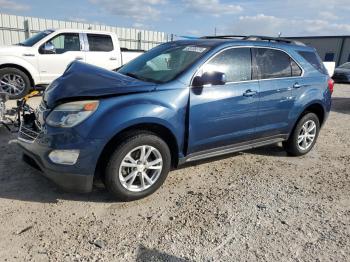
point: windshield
(35, 38)
(346, 66)
(163, 63)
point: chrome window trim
(86, 43)
(252, 80)
(82, 42)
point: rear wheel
(138, 167)
(14, 82)
(304, 135)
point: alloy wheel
(140, 168)
(12, 84)
(307, 135)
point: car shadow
(341, 105)
(145, 254)
(20, 181)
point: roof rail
(273, 39)
(256, 38)
(223, 37)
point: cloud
(138, 10)
(212, 7)
(271, 25)
(13, 6)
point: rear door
(278, 74)
(224, 115)
(68, 48)
(101, 51)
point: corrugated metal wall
(14, 29)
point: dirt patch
(256, 205)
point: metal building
(330, 48)
(14, 29)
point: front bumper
(80, 183)
(74, 178)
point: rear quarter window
(272, 63)
(313, 59)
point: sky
(199, 17)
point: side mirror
(210, 78)
(48, 48)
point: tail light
(330, 85)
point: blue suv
(180, 102)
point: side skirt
(232, 149)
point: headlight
(71, 114)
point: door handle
(297, 85)
(249, 92)
(78, 58)
(113, 58)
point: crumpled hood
(82, 81)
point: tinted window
(235, 63)
(66, 42)
(272, 63)
(314, 60)
(100, 43)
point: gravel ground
(259, 205)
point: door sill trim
(232, 148)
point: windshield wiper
(142, 78)
(133, 76)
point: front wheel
(138, 167)
(14, 82)
(304, 135)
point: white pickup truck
(40, 59)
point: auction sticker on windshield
(196, 49)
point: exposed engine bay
(12, 118)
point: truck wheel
(138, 167)
(14, 82)
(304, 135)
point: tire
(17, 78)
(117, 176)
(299, 142)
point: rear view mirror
(210, 78)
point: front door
(224, 115)
(67, 49)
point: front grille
(27, 134)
